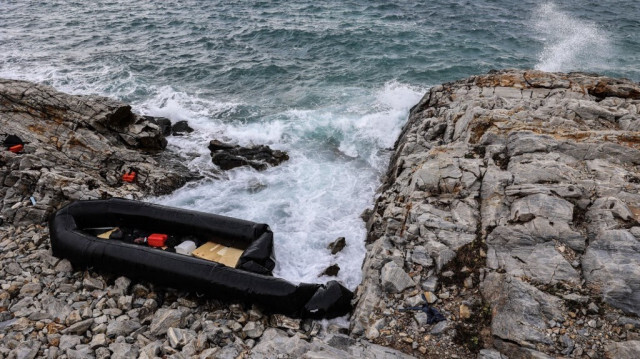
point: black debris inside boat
(191, 250)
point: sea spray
(338, 154)
(570, 44)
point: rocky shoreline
(512, 202)
(78, 147)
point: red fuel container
(16, 148)
(156, 240)
(129, 177)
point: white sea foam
(570, 43)
(337, 155)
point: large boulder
(228, 156)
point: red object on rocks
(156, 240)
(16, 148)
(129, 177)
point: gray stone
(490, 354)
(103, 353)
(440, 327)
(394, 279)
(30, 289)
(228, 352)
(337, 245)
(81, 352)
(180, 337)
(26, 350)
(253, 329)
(165, 318)
(520, 311)
(123, 351)
(431, 284)
(80, 327)
(420, 256)
(69, 342)
(122, 327)
(610, 263)
(93, 283)
(541, 205)
(228, 156)
(98, 340)
(282, 321)
(628, 349)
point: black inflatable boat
(249, 282)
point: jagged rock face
(228, 156)
(77, 148)
(531, 181)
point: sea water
(330, 82)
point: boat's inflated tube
(249, 282)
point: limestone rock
(122, 327)
(178, 338)
(123, 351)
(611, 263)
(394, 279)
(628, 349)
(527, 183)
(253, 329)
(520, 311)
(164, 319)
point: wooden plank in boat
(216, 252)
(106, 235)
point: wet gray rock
(331, 270)
(180, 128)
(228, 156)
(337, 245)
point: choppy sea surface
(330, 82)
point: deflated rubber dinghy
(249, 282)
